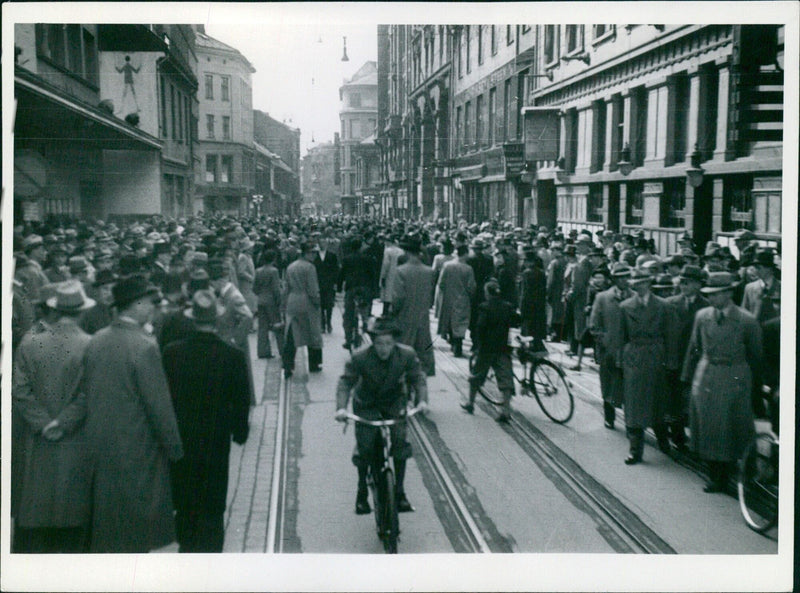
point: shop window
(211, 168)
(673, 203)
(225, 88)
(737, 202)
(226, 169)
(634, 206)
(594, 203)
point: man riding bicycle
(381, 375)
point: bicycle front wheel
(758, 483)
(389, 519)
(552, 392)
(488, 390)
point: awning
(472, 173)
(493, 178)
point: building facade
(226, 157)
(89, 137)
(318, 179)
(358, 118)
(283, 141)
(662, 128)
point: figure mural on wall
(128, 70)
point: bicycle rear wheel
(389, 519)
(758, 483)
(488, 390)
(552, 392)
(376, 500)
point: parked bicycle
(758, 476)
(540, 377)
(381, 481)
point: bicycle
(758, 479)
(541, 378)
(381, 482)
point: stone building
(226, 157)
(358, 117)
(283, 141)
(662, 128)
(318, 179)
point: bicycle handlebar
(388, 422)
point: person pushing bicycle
(380, 376)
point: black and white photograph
(353, 303)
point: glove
(341, 415)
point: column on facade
(657, 119)
(613, 118)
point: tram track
(278, 491)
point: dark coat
(680, 327)
(555, 288)
(132, 435)
(96, 318)
(644, 338)
(327, 275)
(605, 323)
(358, 271)
(454, 293)
(267, 288)
(56, 476)
(303, 304)
(412, 299)
(578, 293)
(483, 267)
(721, 360)
(507, 279)
(210, 392)
(532, 302)
(760, 302)
(495, 317)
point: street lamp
(694, 173)
(257, 199)
(624, 163)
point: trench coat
(210, 393)
(721, 360)
(555, 289)
(388, 269)
(267, 288)
(644, 336)
(303, 315)
(327, 275)
(234, 326)
(246, 273)
(56, 475)
(578, 293)
(605, 322)
(532, 303)
(454, 290)
(133, 435)
(412, 298)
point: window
(209, 126)
(492, 108)
(210, 87)
(737, 202)
(163, 85)
(673, 203)
(707, 111)
(458, 128)
(225, 88)
(571, 140)
(74, 49)
(90, 58)
(509, 34)
(617, 129)
(187, 114)
(480, 44)
(598, 136)
(677, 118)
(71, 47)
(638, 126)
(179, 97)
(211, 168)
(226, 127)
(494, 40)
(172, 111)
(372, 124)
(594, 203)
(226, 170)
(355, 99)
(479, 120)
(506, 109)
(602, 32)
(574, 38)
(634, 206)
(550, 44)
(441, 44)
(467, 121)
(469, 63)
(522, 90)
(526, 29)
(459, 55)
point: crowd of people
(117, 328)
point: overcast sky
(299, 70)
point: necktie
(720, 317)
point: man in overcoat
(391, 254)
(532, 297)
(412, 299)
(579, 286)
(303, 318)
(483, 267)
(267, 288)
(357, 280)
(455, 289)
(605, 322)
(327, 265)
(210, 392)
(55, 496)
(684, 307)
(554, 274)
(131, 428)
(645, 318)
(723, 356)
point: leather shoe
(609, 425)
(403, 506)
(317, 369)
(468, 408)
(664, 447)
(362, 506)
(632, 460)
(503, 418)
(712, 487)
(287, 374)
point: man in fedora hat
(605, 322)
(391, 255)
(162, 254)
(555, 290)
(303, 312)
(29, 270)
(483, 268)
(210, 390)
(412, 299)
(379, 377)
(579, 284)
(54, 500)
(684, 307)
(131, 428)
(645, 320)
(722, 360)
(100, 315)
(454, 291)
